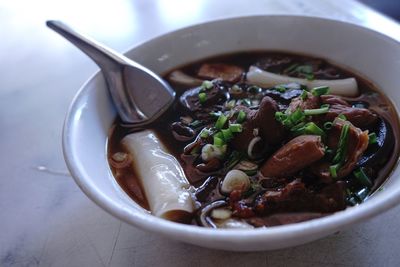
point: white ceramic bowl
(91, 115)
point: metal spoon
(139, 95)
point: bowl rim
(147, 221)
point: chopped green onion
(241, 116)
(342, 146)
(221, 121)
(296, 116)
(312, 128)
(304, 95)
(309, 128)
(333, 169)
(320, 90)
(298, 127)
(290, 120)
(280, 88)
(204, 133)
(218, 141)
(231, 104)
(362, 178)
(227, 133)
(342, 116)
(202, 97)
(235, 128)
(207, 85)
(372, 138)
(328, 125)
(219, 135)
(280, 116)
(317, 111)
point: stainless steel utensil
(139, 95)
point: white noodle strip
(343, 87)
(163, 179)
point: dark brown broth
(369, 93)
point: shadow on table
(87, 236)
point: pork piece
(261, 121)
(284, 218)
(190, 98)
(310, 102)
(295, 197)
(294, 156)
(228, 73)
(356, 145)
(359, 117)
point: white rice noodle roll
(163, 180)
(343, 87)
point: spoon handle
(105, 57)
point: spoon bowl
(140, 96)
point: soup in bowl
(284, 131)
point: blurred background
(388, 7)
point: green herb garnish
(318, 111)
(241, 117)
(218, 141)
(280, 88)
(304, 95)
(333, 169)
(227, 133)
(342, 146)
(362, 178)
(207, 85)
(320, 90)
(204, 133)
(202, 98)
(235, 128)
(221, 121)
(372, 138)
(340, 155)
(307, 128)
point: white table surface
(45, 220)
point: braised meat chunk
(294, 156)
